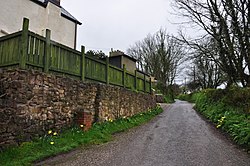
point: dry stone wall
(32, 102)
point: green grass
(187, 97)
(168, 99)
(29, 152)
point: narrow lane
(177, 137)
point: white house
(43, 14)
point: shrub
(168, 99)
(186, 97)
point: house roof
(125, 55)
(64, 12)
(119, 53)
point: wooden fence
(28, 50)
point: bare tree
(205, 72)
(227, 22)
(159, 55)
(137, 53)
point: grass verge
(168, 99)
(55, 143)
(228, 110)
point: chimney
(56, 2)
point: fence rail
(28, 50)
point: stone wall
(33, 102)
(116, 102)
(159, 98)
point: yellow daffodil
(52, 143)
(55, 133)
(50, 131)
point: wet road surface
(177, 137)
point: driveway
(177, 137)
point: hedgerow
(229, 110)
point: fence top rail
(10, 36)
(55, 43)
(65, 47)
(141, 72)
(37, 36)
(95, 60)
(138, 76)
(129, 73)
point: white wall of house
(41, 18)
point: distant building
(118, 58)
(43, 14)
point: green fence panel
(65, 60)
(95, 69)
(130, 81)
(115, 76)
(147, 86)
(140, 84)
(36, 51)
(10, 50)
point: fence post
(83, 63)
(107, 70)
(135, 80)
(124, 76)
(24, 43)
(47, 52)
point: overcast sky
(118, 24)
